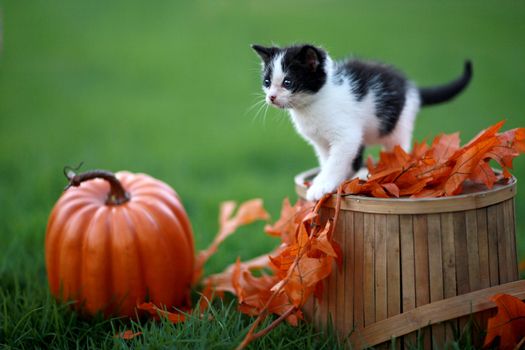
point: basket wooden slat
(492, 227)
(408, 280)
(368, 271)
(484, 269)
(449, 264)
(358, 272)
(393, 265)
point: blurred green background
(166, 88)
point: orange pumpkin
(118, 240)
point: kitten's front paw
(319, 189)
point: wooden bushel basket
(418, 264)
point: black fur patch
(266, 53)
(297, 66)
(358, 160)
(442, 93)
(389, 87)
(267, 72)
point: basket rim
(460, 202)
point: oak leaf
(247, 213)
(508, 324)
(444, 146)
(127, 334)
(156, 312)
(466, 163)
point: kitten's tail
(443, 93)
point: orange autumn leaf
(254, 292)
(508, 325)
(285, 224)
(305, 275)
(207, 295)
(323, 244)
(484, 174)
(506, 151)
(156, 312)
(353, 186)
(127, 334)
(385, 172)
(222, 282)
(486, 134)
(415, 188)
(290, 217)
(419, 150)
(444, 146)
(466, 163)
(519, 140)
(391, 188)
(247, 213)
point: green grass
(166, 88)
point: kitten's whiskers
(260, 106)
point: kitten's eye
(287, 83)
(267, 82)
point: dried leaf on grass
(507, 327)
(156, 312)
(127, 334)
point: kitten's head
(291, 75)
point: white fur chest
(308, 125)
(330, 115)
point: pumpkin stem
(117, 194)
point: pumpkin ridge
(136, 183)
(139, 263)
(118, 267)
(93, 290)
(160, 294)
(175, 207)
(169, 214)
(73, 231)
(173, 226)
(57, 225)
(87, 191)
(113, 301)
(145, 181)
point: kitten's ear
(266, 53)
(310, 56)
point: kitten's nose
(272, 98)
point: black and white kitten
(341, 107)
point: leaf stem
(275, 323)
